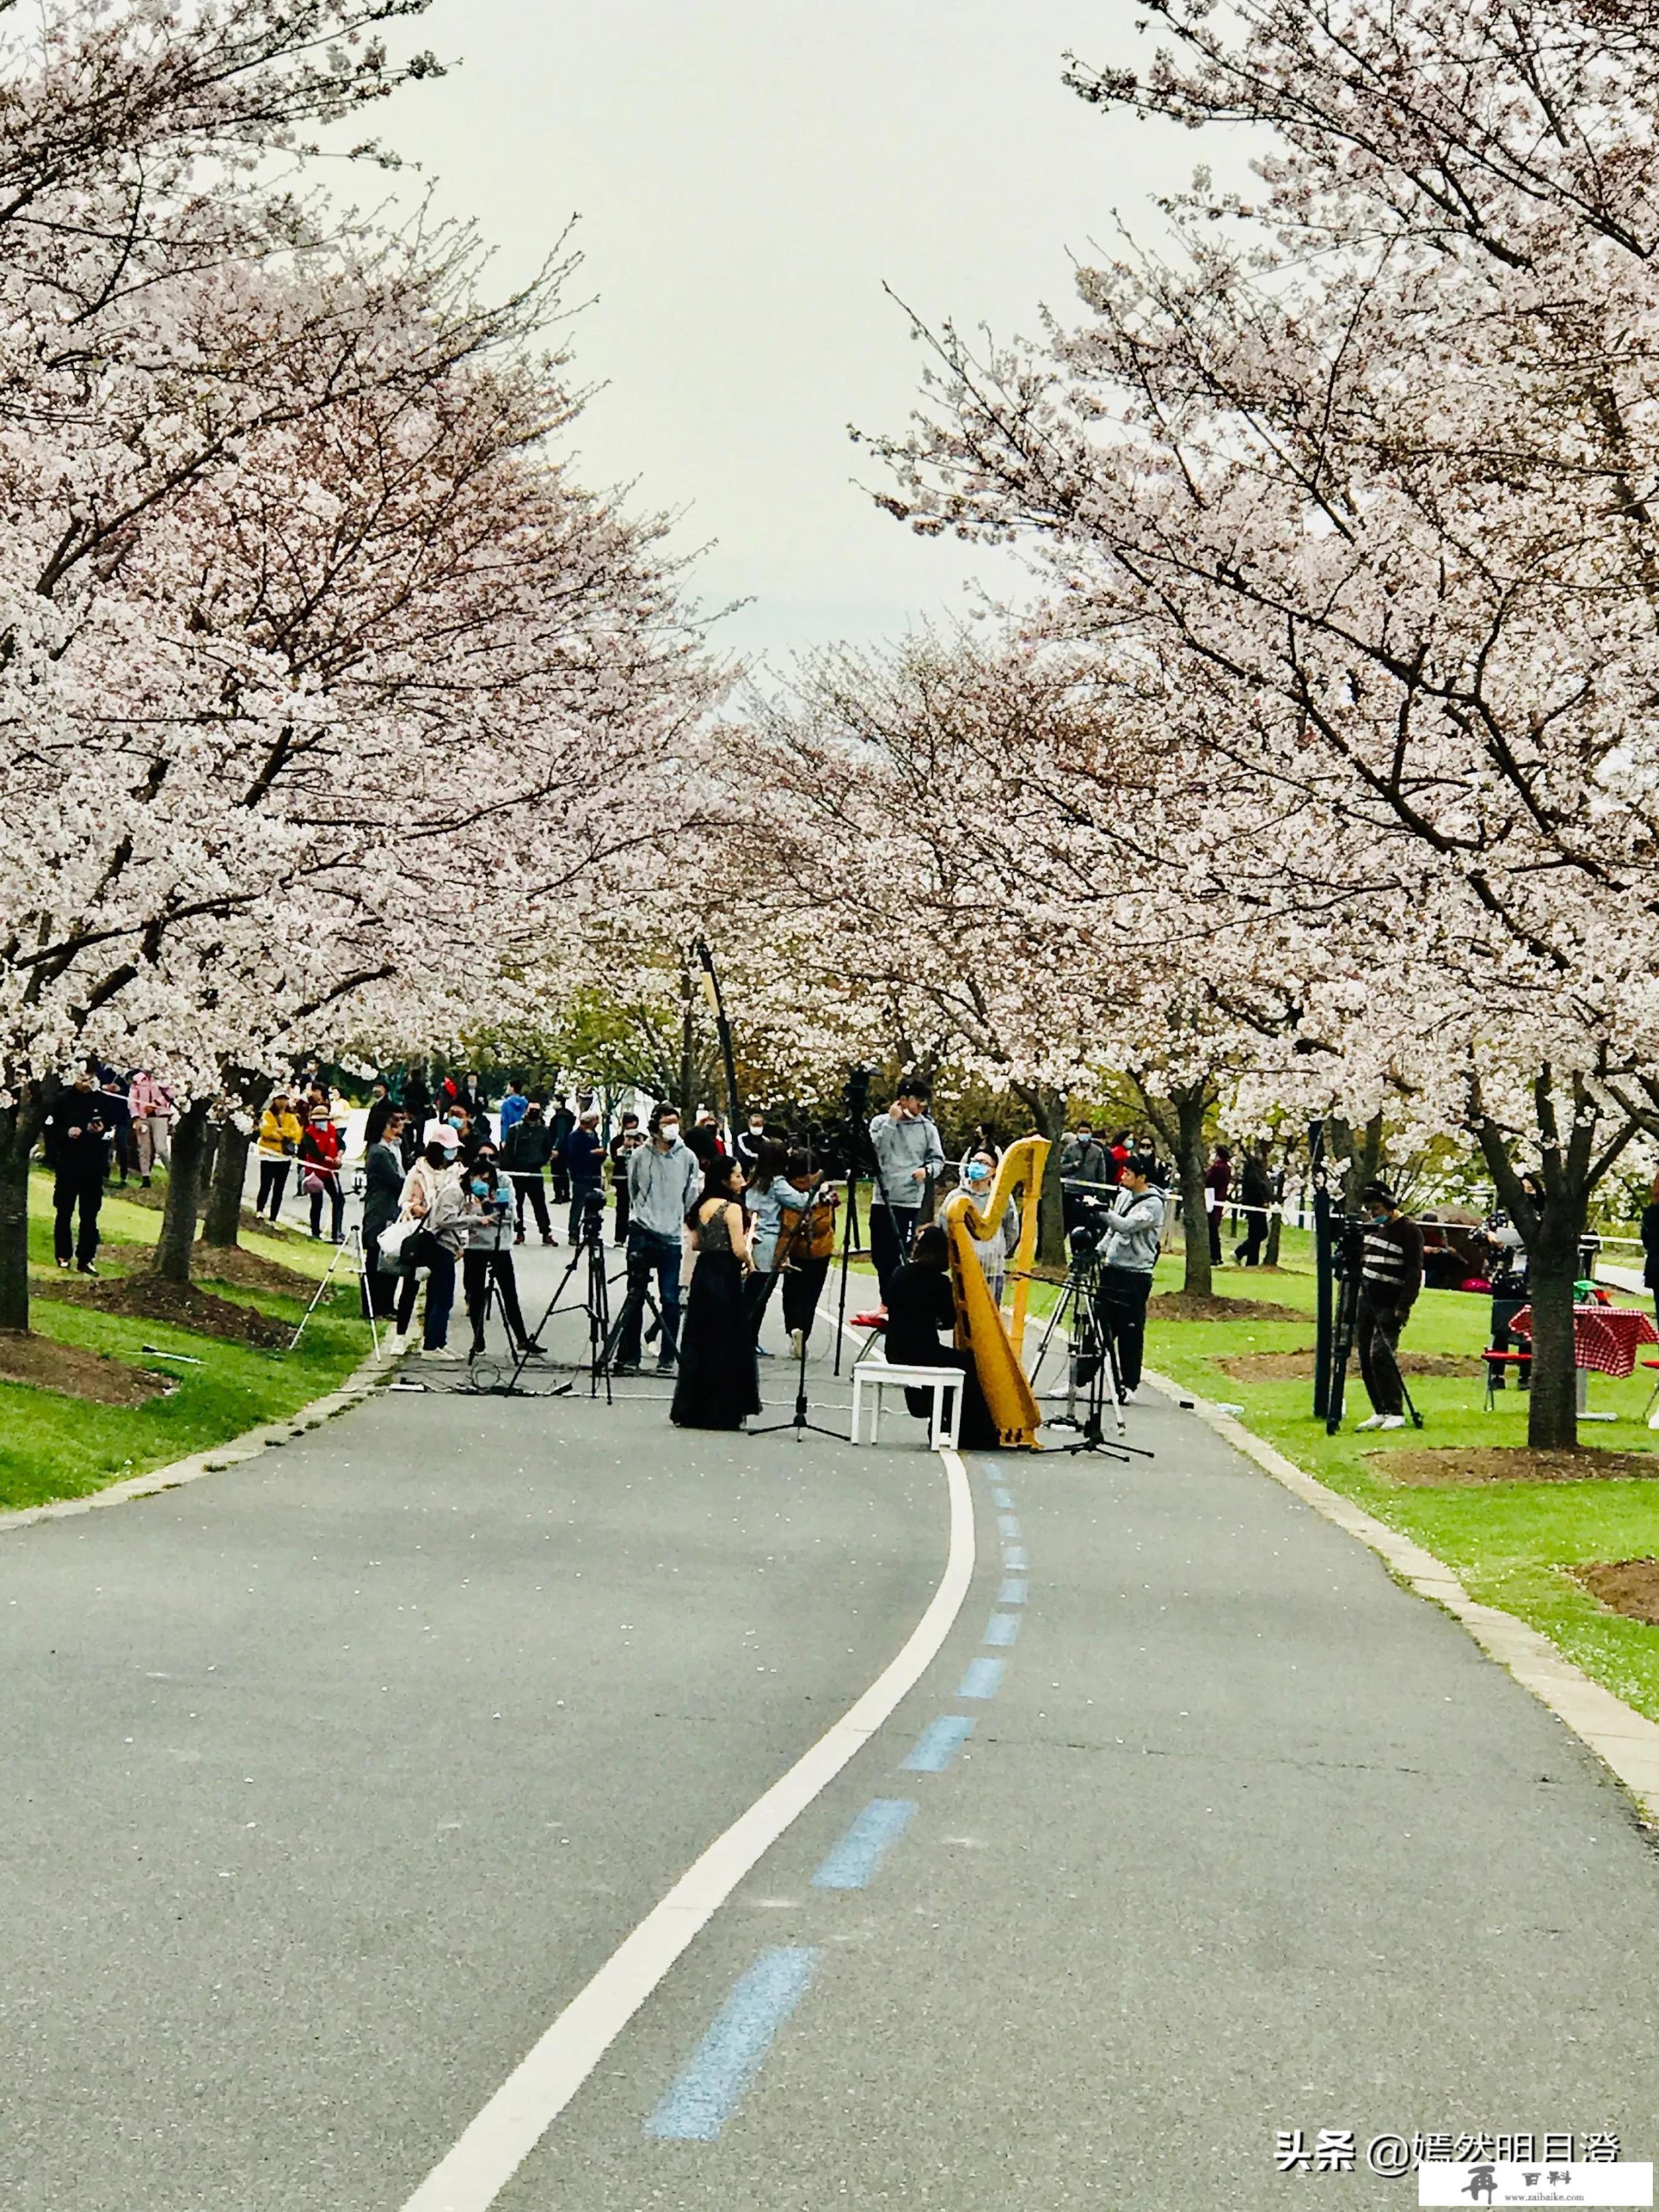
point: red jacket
(321, 1145)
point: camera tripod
(1346, 1326)
(1090, 1342)
(487, 1376)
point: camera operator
(1130, 1235)
(77, 1153)
(622, 1148)
(584, 1154)
(1390, 1277)
(525, 1150)
(489, 1253)
(908, 1157)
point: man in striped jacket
(1390, 1277)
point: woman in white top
(434, 1199)
(978, 1173)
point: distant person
(920, 1308)
(383, 1190)
(717, 1387)
(908, 1159)
(584, 1159)
(663, 1181)
(526, 1151)
(380, 1111)
(77, 1145)
(434, 1200)
(750, 1141)
(320, 1147)
(1218, 1181)
(621, 1150)
(992, 1251)
(149, 1103)
(1390, 1277)
(561, 1122)
(810, 1249)
(280, 1132)
(113, 1094)
(511, 1111)
(487, 1257)
(1255, 1188)
(1132, 1234)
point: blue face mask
(480, 1189)
(978, 1172)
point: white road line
(507, 2130)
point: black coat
(919, 1305)
(1650, 1246)
(82, 1160)
(383, 1188)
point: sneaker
(1376, 1421)
(85, 1267)
(1060, 1390)
(1126, 1397)
(797, 1343)
(393, 1347)
(434, 1352)
(518, 1236)
(628, 1367)
(549, 1239)
(65, 1265)
(667, 1366)
(1392, 1421)
(762, 1352)
(531, 1350)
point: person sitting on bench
(919, 1304)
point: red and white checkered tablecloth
(1604, 1337)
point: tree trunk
(1047, 1110)
(1553, 1404)
(222, 1222)
(173, 1249)
(1191, 1106)
(18, 1124)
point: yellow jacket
(273, 1128)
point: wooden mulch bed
(1455, 1466)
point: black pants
(1120, 1315)
(560, 1182)
(803, 1285)
(335, 1196)
(892, 1232)
(379, 1289)
(1215, 1234)
(1249, 1254)
(625, 1211)
(273, 1181)
(648, 1254)
(66, 1196)
(1380, 1323)
(476, 1268)
(756, 1296)
(532, 1191)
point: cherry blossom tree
(1367, 452)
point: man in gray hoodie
(664, 1178)
(908, 1159)
(1131, 1237)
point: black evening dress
(719, 1382)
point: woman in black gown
(920, 1304)
(718, 1386)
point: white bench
(945, 1383)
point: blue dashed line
(1002, 1496)
(1007, 1526)
(1013, 1590)
(854, 1862)
(938, 1744)
(982, 1680)
(1014, 1558)
(705, 2096)
(1002, 1628)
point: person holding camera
(584, 1155)
(1130, 1235)
(908, 1159)
(77, 1153)
(1390, 1277)
(488, 1256)
(621, 1150)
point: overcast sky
(748, 173)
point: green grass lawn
(1510, 1542)
(56, 1446)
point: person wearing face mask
(488, 1256)
(433, 1200)
(908, 1156)
(1390, 1277)
(774, 1205)
(664, 1178)
(526, 1150)
(750, 1141)
(978, 1174)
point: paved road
(334, 1778)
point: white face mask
(668, 1131)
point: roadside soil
(1293, 1366)
(1626, 1586)
(76, 1372)
(145, 1297)
(1176, 1305)
(1457, 1466)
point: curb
(1621, 1738)
(214, 1459)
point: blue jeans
(649, 1252)
(439, 1294)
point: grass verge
(53, 1446)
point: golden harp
(996, 1346)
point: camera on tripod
(1348, 1245)
(1086, 1237)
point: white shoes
(1381, 1421)
(434, 1352)
(393, 1345)
(797, 1344)
(1060, 1390)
